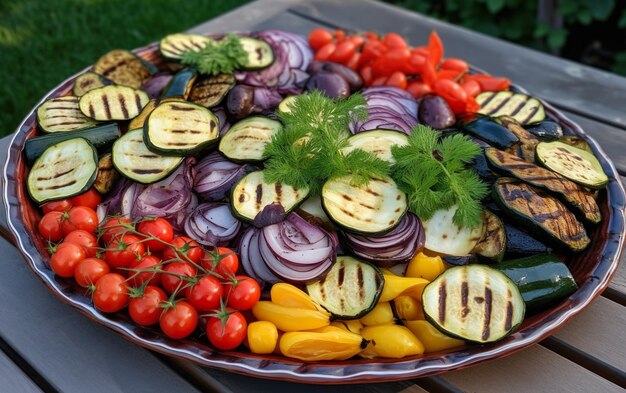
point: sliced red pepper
(380, 81)
(418, 89)
(471, 87)
(372, 50)
(371, 36)
(435, 49)
(353, 63)
(340, 35)
(366, 75)
(472, 106)
(429, 75)
(420, 50)
(452, 63)
(357, 40)
(395, 41)
(490, 83)
(325, 51)
(453, 93)
(453, 75)
(415, 64)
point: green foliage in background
(44, 42)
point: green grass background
(42, 42)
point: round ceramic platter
(592, 270)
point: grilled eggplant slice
(180, 85)
(245, 140)
(576, 196)
(540, 213)
(350, 289)
(578, 165)
(260, 54)
(545, 129)
(106, 174)
(486, 129)
(174, 45)
(123, 68)
(210, 91)
(493, 244)
(474, 303)
(520, 242)
(180, 128)
(251, 195)
(378, 143)
(101, 137)
(113, 103)
(521, 107)
(65, 169)
(132, 159)
(445, 237)
(87, 82)
(374, 208)
(138, 122)
(525, 148)
(62, 114)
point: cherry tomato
(90, 199)
(357, 40)
(111, 293)
(340, 35)
(159, 228)
(64, 260)
(319, 37)
(85, 239)
(56, 206)
(325, 51)
(79, 217)
(452, 63)
(114, 227)
(205, 294)
(50, 226)
(353, 62)
(171, 278)
(397, 79)
(179, 321)
(421, 51)
(242, 293)
(366, 75)
(394, 40)
(380, 81)
(418, 89)
(372, 50)
(229, 335)
(343, 52)
(371, 36)
(390, 62)
(222, 261)
(89, 270)
(145, 310)
(415, 64)
(124, 250)
(453, 93)
(148, 263)
(184, 248)
(453, 75)
(471, 87)
(490, 83)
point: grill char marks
(487, 316)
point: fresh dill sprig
(218, 57)
(432, 171)
(310, 149)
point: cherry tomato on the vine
(149, 264)
(111, 293)
(114, 227)
(242, 293)
(124, 250)
(205, 294)
(50, 226)
(172, 279)
(158, 227)
(184, 248)
(64, 260)
(79, 217)
(229, 335)
(62, 205)
(222, 261)
(146, 308)
(319, 37)
(89, 270)
(90, 199)
(85, 239)
(179, 320)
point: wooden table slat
(13, 379)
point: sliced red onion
(222, 119)
(155, 85)
(178, 219)
(215, 175)
(388, 108)
(396, 246)
(212, 224)
(251, 260)
(266, 99)
(120, 199)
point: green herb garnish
(218, 57)
(308, 151)
(432, 172)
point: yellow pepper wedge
(408, 308)
(390, 341)
(262, 337)
(291, 296)
(432, 338)
(290, 319)
(381, 314)
(425, 266)
(351, 325)
(328, 343)
(397, 285)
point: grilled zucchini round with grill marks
(62, 114)
(123, 68)
(260, 54)
(576, 164)
(174, 45)
(245, 140)
(113, 103)
(377, 142)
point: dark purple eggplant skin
(353, 79)
(435, 112)
(240, 101)
(332, 85)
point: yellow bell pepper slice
(432, 338)
(425, 266)
(390, 341)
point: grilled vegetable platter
(322, 199)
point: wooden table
(45, 345)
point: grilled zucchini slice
(474, 302)
(180, 128)
(374, 208)
(445, 237)
(62, 114)
(540, 213)
(350, 289)
(113, 103)
(260, 54)
(252, 194)
(180, 85)
(210, 91)
(140, 119)
(123, 68)
(65, 169)
(576, 164)
(87, 82)
(576, 196)
(174, 45)
(378, 143)
(523, 108)
(245, 140)
(132, 159)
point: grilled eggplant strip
(210, 91)
(62, 114)
(87, 82)
(123, 68)
(576, 196)
(541, 213)
(525, 148)
(113, 103)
